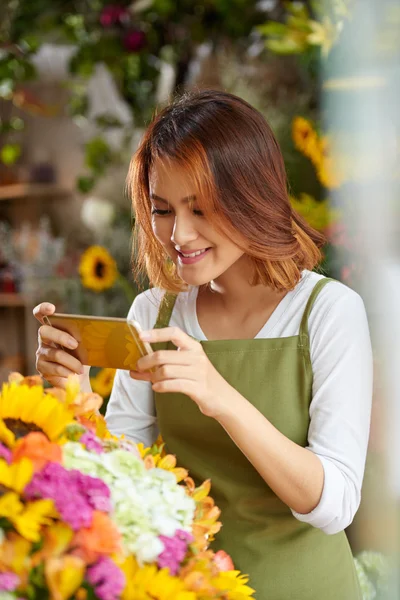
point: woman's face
(200, 253)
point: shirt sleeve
(131, 409)
(340, 409)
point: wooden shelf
(13, 300)
(31, 190)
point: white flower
(146, 503)
(97, 214)
(149, 547)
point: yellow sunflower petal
(17, 475)
(10, 506)
(6, 436)
(35, 515)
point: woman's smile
(193, 257)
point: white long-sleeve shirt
(340, 409)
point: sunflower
(148, 583)
(24, 409)
(102, 384)
(98, 269)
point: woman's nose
(183, 232)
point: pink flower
(106, 578)
(223, 561)
(114, 14)
(174, 552)
(8, 581)
(5, 453)
(75, 495)
(134, 40)
(91, 442)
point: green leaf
(272, 28)
(98, 155)
(298, 9)
(107, 120)
(285, 46)
(85, 183)
(30, 42)
(10, 153)
(299, 24)
(78, 104)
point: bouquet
(86, 515)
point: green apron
(285, 558)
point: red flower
(114, 14)
(134, 40)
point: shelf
(31, 190)
(13, 300)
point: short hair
(231, 153)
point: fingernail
(71, 343)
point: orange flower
(100, 538)
(38, 448)
(30, 381)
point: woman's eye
(158, 211)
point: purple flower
(75, 495)
(91, 442)
(106, 578)
(134, 40)
(8, 581)
(5, 453)
(114, 14)
(174, 552)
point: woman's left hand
(186, 370)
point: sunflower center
(20, 428)
(99, 269)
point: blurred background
(79, 81)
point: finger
(51, 335)
(51, 370)
(146, 376)
(162, 357)
(57, 355)
(175, 386)
(43, 309)
(170, 334)
(175, 372)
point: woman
(262, 377)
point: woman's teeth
(194, 253)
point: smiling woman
(261, 379)
(215, 162)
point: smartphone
(102, 341)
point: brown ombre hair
(228, 149)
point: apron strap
(304, 321)
(165, 311)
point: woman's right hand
(52, 361)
